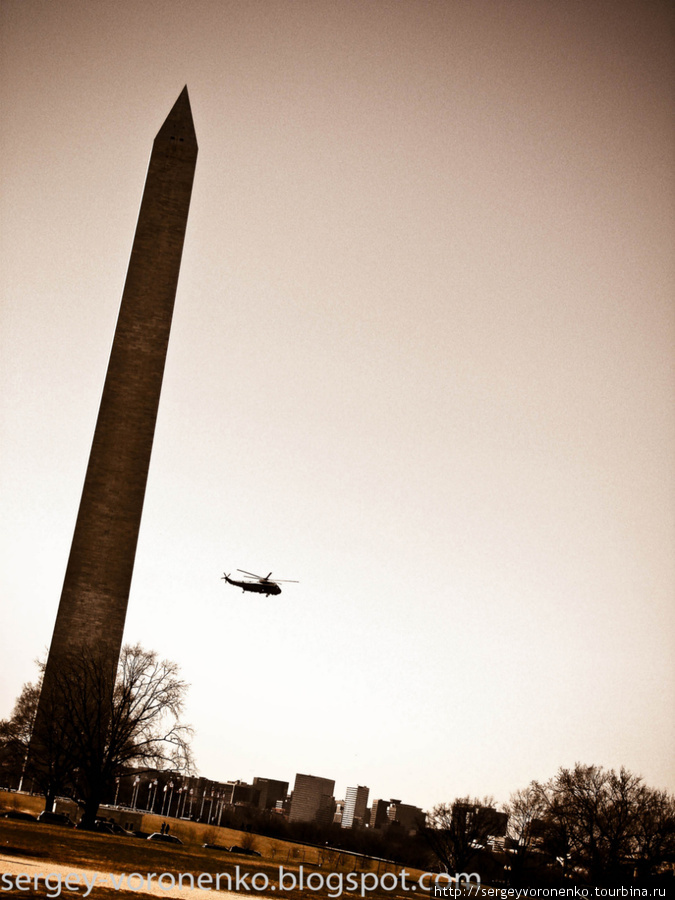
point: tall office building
(95, 594)
(410, 818)
(379, 814)
(356, 803)
(312, 800)
(271, 792)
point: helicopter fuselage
(256, 587)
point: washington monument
(93, 606)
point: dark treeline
(586, 825)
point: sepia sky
(422, 361)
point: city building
(378, 814)
(409, 818)
(482, 819)
(392, 812)
(271, 792)
(356, 803)
(239, 793)
(312, 800)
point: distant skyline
(166, 793)
(356, 796)
(422, 361)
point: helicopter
(263, 584)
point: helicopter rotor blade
(252, 574)
(267, 579)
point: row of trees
(88, 735)
(586, 824)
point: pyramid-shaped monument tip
(179, 121)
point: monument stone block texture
(95, 593)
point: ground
(30, 849)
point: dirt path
(91, 884)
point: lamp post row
(185, 798)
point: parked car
(52, 818)
(98, 825)
(17, 814)
(243, 851)
(165, 838)
(107, 826)
(117, 829)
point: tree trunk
(90, 812)
(50, 799)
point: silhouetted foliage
(603, 825)
(15, 735)
(458, 832)
(526, 810)
(51, 769)
(654, 832)
(87, 734)
(586, 825)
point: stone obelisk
(95, 593)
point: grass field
(54, 845)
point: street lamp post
(169, 798)
(134, 798)
(184, 798)
(152, 794)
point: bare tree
(51, 768)
(90, 734)
(654, 831)
(595, 808)
(457, 832)
(15, 735)
(606, 823)
(139, 726)
(526, 811)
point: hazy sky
(422, 360)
